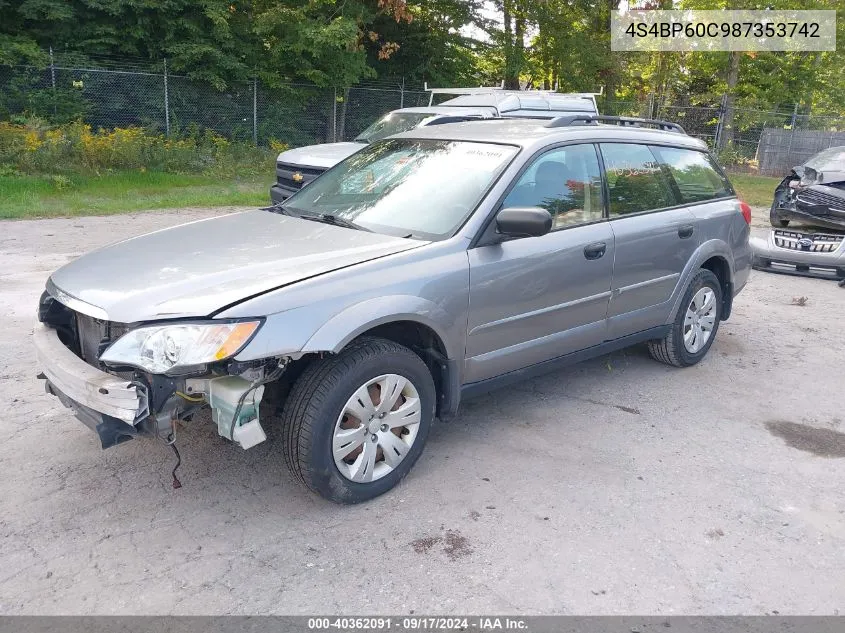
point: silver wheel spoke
(347, 440)
(394, 449)
(362, 469)
(391, 389)
(707, 301)
(361, 405)
(707, 322)
(405, 415)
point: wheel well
(426, 344)
(719, 266)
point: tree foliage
(337, 43)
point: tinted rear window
(695, 175)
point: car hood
(327, 155)
(198, 268)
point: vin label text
(711, 31)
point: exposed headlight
(163, 348)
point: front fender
(357, 319)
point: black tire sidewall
(703, 278)
(325, 476)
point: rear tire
(695, 325)
(335, 406)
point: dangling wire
(171, 442)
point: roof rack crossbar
(586, 119)
(500, 91)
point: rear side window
(694, 173)
(635, 180)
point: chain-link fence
(153, 98)
(112, 93)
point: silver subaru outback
(423, 269)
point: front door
(536, 298)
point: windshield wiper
(278, 207)
(328, 218)
(325, 218)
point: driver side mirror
(523, 222)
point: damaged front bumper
(820, 255)
(108, 404)
(118, 409)
(818, 205)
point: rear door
(654, 234)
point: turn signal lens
(238, 336)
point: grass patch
(758, 191)
(40, 197)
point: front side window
(635, 180)
(564, 181)
(392, 123)
(409, 187)
(694, 174)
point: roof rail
(586, 119)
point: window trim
(662, 171)
(673, 207)
(482, 237)
(710, 160)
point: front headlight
(163, 348)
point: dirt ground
(616, 486)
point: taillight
(746, 211)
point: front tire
(355, 423)
(695, 325)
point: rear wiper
(327, 218)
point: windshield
(392, 123)
(407, 187)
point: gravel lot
(616, 486)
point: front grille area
(295, 177)
(807, 242)
(819, 198)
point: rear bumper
(106, 403)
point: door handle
(686, 231)
(595, 250)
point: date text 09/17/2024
(417, 623)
